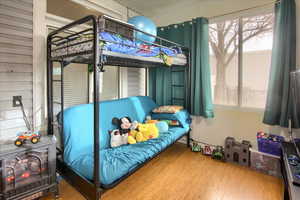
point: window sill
(238, 108)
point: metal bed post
(188, 86)
(49, 87)
(146, 81)
(97, 65)
(61, 123)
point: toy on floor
(237, 152)
(218, 153)
(293, 160)
(271, 137)
(207, 150)
(118, 139)
(196, 147)
(23, 137)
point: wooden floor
(179, 174)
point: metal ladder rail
(55, 123)
(177, 86)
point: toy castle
(237, 152)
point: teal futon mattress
(114, 162)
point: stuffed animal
(162, 125)
(143, 133)
(117, 139)
(137, 132)
(149, 131)
(125, 126)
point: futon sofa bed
(119, 162)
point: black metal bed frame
(93, 189)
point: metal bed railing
(66, 37)
(109, 25)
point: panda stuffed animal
(117, 139)
(125, 124)
(120, 136)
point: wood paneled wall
(16, 71)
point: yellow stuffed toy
(131, 137)
(143, 133)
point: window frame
(240, 16)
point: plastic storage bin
(265, 163)
(269, 143)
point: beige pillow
(167, 109)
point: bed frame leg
(98, 194)
(188, 138)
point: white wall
(239, 123)
(17, 31)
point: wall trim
(39, 63)
(54, 21)
(106, 7)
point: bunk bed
(100, 41)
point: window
(136, 81)
(240, 56)
(75, 85)
(109, 84)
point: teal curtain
(279, 101)
(160, 85)
(194, 35)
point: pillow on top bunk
(167, 109)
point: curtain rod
(238, 11)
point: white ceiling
(164, 12)
(148, 7)
(69, 10)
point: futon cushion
(79, 123)
(117, 162)
(114, 162)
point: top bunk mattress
(114, 46)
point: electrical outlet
(17, 101)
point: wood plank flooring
(179, 174)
